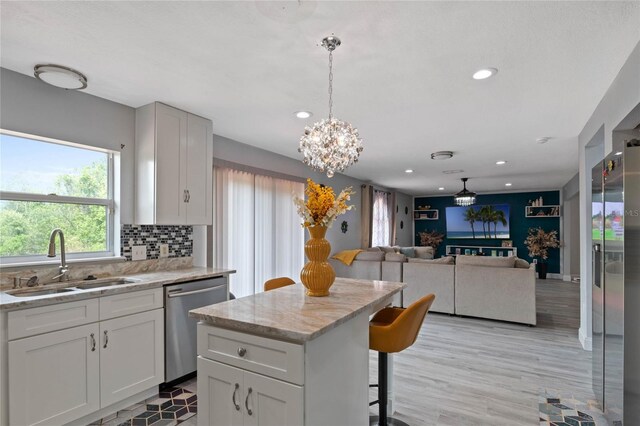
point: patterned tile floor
(561, 411)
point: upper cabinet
(174, 161)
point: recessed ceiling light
(501, 162)
(452, 172)
(408, 171)
(542, 140)
(60, 76)
(441, 188)
(507, 184)
(618, 153)
(484, 73)
(441, 155)
(303, 114)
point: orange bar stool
(394, 330)
(274, 283)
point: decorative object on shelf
(432, 214)
(344, 226)
(431, 239)
(401, 225)
(465, 197)
(406, 210)
(539, 242)
(507, 243)
(318, 213)
(330, 145)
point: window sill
(46, 263)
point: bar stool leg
(383, 419)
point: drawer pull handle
(233, 397)
(246, 402)
(242, 352)
(106, 339)
(93, 343)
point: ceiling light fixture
(409, 171)
(501, 162)
(60, 76)
(441, 155)
(330, 145)
(507, 184)
(303, 114)
(441, 188)
(618, 153)
(484, 73)
(465, 197)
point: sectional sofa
(500, 288)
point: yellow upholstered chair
(393, 330)
(274, 283)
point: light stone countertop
(144, 281)
(288, 314)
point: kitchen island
(284, 358)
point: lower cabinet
(233, 396)
(54, 377)
(61, 376)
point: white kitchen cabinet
(231, 396)
(131, 355)
(54, 377)
(174, 161)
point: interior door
(597, 291)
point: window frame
(109, 203)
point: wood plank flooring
(469, 371)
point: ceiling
(402, 75)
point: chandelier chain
(330, 85)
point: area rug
(568, 412)
(172, 407)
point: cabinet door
(170, 161)
(220, 394)
(131, 355)
(270, 402)
(53, 377)
(199, 170)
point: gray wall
(621, 98)
(30, 106)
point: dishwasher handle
(189, 293)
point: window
(257, 228)
(381, 219)
(46, 185)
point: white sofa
(423, 278)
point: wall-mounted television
(489, 221)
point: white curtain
(258, 230)
(381, 219)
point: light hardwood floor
(469, 371)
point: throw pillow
(375, 256)
(521, 263)
(490, 261)
(387, 249)
(408, 251)
(395, 257)
(424, 252)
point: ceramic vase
(317, 275)
(542, 270)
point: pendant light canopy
(330, 145)
(465, 197)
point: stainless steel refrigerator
(616, 283)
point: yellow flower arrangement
(322, 207)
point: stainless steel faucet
(62, 269)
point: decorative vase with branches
(539, 242)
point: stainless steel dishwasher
(179, 329)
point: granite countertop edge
(282, 332)
(148, 280)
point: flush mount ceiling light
(465, 197)
(501, 162)
(484, 73)
(60, 76)
(330, 145)
(543, 140)
(303, 114)
(409, 171)
(441, 155)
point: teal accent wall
(518, 223)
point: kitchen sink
(31, 293)
(105, 283)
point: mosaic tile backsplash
(179, 238)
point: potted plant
(539, 242)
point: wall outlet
(139, 253)
(164, 250)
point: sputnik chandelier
(330, 145)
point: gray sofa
(501, 288)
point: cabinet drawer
(273, 358)
(130, 303)
(29, 322)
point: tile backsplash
(178, 237)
